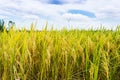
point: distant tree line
(11, 24)
(1, 25)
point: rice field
(60, 54)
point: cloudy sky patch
(82, 12)
(77, 13)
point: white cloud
(3, 17)
(76, 17)
(108, 12)
(105, 11)
(2, 12)
(34, 17)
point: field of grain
(60, 54)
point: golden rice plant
(60, 54)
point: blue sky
(81, 14)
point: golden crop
(60, 55)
